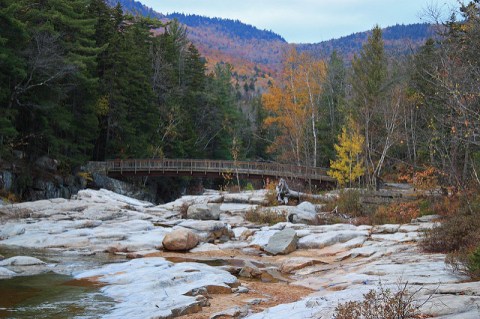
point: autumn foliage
(348, 166)
(293, 108)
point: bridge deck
(145, 167)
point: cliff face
(22, 181)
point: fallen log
(284, 193)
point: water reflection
(51, 296)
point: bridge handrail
(220, 166)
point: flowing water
(54, 295)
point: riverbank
(116, 243)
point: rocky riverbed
(116, 246)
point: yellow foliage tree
(348, 165)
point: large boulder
(282, 242)
(204, 212)
(180, 239)
(304, 213)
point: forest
(81, 80)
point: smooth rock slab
(21, 261)
(296, 263)
(329, 238)
(6, 273)
(156, 288)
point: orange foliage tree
(293, 108)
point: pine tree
(13, 37)
(369, 90)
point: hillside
(242, 45)
(136, 8)
(252, 51)
(399, 40)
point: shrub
(465, 263)
(458, 235)
(184, 210)
(271, 196)
(473, 265)
(381, 304)
(348, 203)
(460, 229)
(249, 187)
(396, 213)
(265, 216)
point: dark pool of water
(54, 295)
(51, 296)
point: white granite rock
(329, 238)
(21, 261)
(6, 273)
(156, 288)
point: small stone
(134, 255)
(180, 239)
(241, 290)
(235, 312)
(250, 271)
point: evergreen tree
(368, 85)
(13, 38)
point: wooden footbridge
(211, 168)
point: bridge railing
(216, 166)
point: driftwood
(284, 193)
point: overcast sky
(308, 21)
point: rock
(249, 270)
(272, 275)
(10, 230)
(204, 212)
(204, 247)
(386, 229)
(329, 238)
(282, 242)
(208, 230)
(47, 163)
(307, 206)
(304, 213)
(120, 187)
(21, 261)
(156, 288)
(180, 239)
(238, 231)
(235, 312)
(6, 180)
(5, 273)
(241, 290)
(261, 238)
(292, 264)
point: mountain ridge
(247, 47)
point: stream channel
(52, 292)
